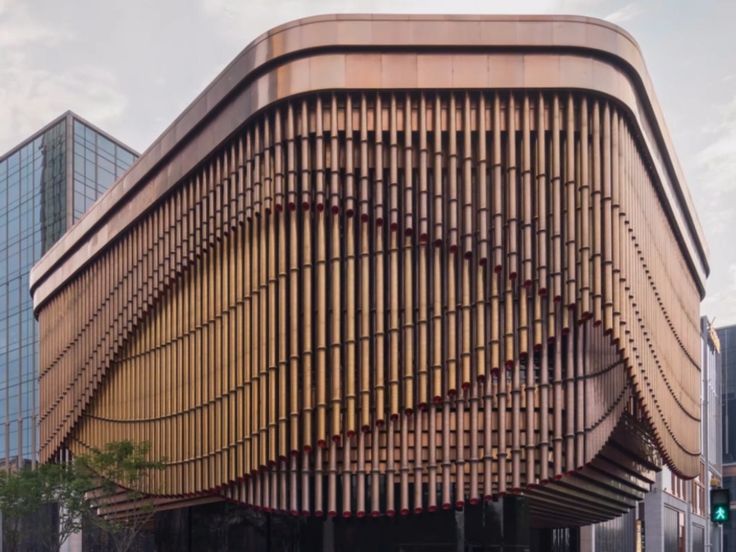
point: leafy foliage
(82, 490)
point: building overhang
(388, 52)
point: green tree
(118, 507)
(28, 495)
(100, 488)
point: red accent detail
(432, 508)
(305, 205)
(408, 231)
(379, 221)
(437, 399)
(474, 501)
(446, 505)
(409, 411)
(331, 514)
(418, 510)
(346, 514)
(468, 255)
(453, 248)
(292, 205)
(322, 443)
(394, 226)
(404, 512)
(437, 243)
(423, 237)
(394, 417)
(360, 514)
(364, 218)
(390, 513)
(459, 504)
(349, 212)
(307, 449)
(318, 513)
(335, 209)
(375, 513)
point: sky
(131, 66)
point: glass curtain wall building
(46, 184)
(727, 337)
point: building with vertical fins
(46, 183)
(675, 513)
(400, 272)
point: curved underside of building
(388, 265)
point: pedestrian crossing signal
(720, 505)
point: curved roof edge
(379, 32)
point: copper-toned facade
(388, 265)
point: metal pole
(705, 436)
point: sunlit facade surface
(39, 200)
(387, 266)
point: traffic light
(720, 505)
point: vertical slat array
(365, 296)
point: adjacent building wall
(727, 338)
(46, 182)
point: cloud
(236, 17)
(715, 181)
(721, 302)
(716, 164)
(630, 11)
(33, 91)
(31, 96)
(18, 28)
